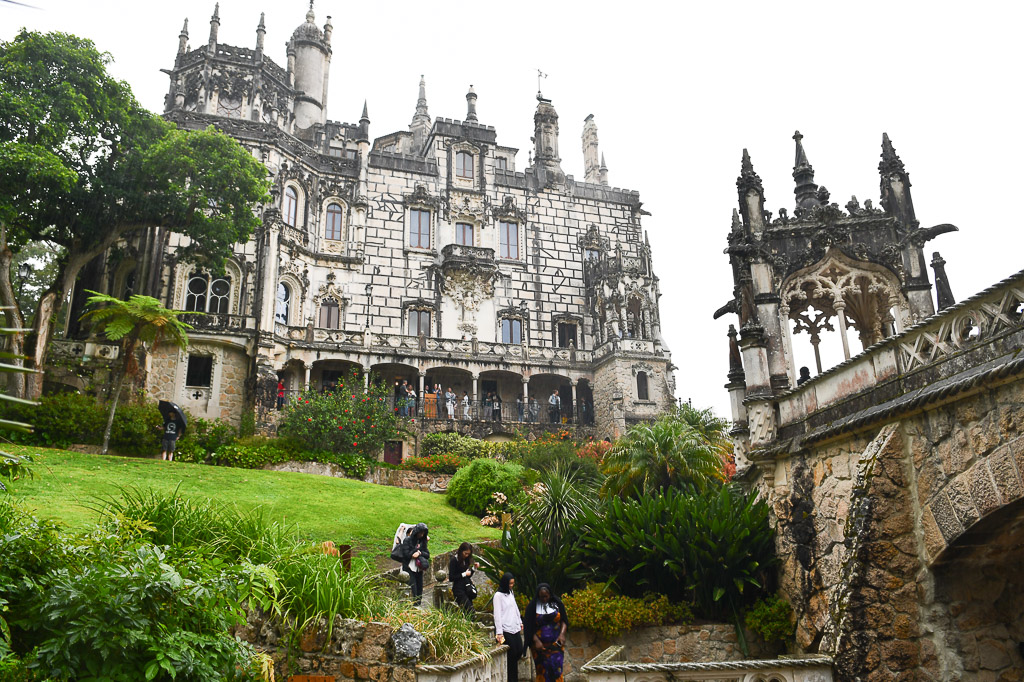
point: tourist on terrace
(449, 398)
(460, 571)
(508, 624)
(545, 626)
(496, 414)
(534, 410)
(465, 405)
(554, 407)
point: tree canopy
(83, 165)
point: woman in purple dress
(544, 630)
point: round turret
(312, 56)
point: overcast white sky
(677, 91)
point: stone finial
(603, 172)
(328, 30)
(803, 175)
(364, 124)
(471, 105)
(890, 161)
(214, 27)
(261, 32)
(310, 17)
(735, 359)
(943, 293)
(183, 38)
(748, 179)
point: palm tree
(140, 319)
(685, 447)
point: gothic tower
(309, 61)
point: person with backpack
(414, 556)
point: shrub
(770, 618)
(595, 450)
(526, 551)
(445, 443)
(607, 614)
(471, 488)
(64, 418)
(344, 420)
(137, 429)
(437, 464)
(712, 547)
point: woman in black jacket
(460, 571)
(416, 559)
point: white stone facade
(421, 255)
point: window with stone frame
(511, 330)
(567, 335)
(284, 302)
(591, 254)
(508, 235)
(330, 314)
(464, 165)
(419, 322)
(641, 386)
(351, 154)
(199, 371)
(206, 294)
(464, 234)
(336, 152)
(335, 222)
(500, 163)
(290, 210)
(419, 228)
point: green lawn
(324, 508)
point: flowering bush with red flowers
(595, 450)
(435, 464)
(343, 419)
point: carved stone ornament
(331, 290)
(508, 210)
(643, 367)
(421, 197)
(466, 289)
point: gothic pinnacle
(801, 155)
(421, 101)
(748, 179)
(365, 116)
(803, 175)
(890, 160)
(471, 105)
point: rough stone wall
(867, 526)
(663, 644)
(411, 480)
(352, 650)
(616, 403)
(162, 373)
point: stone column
(476, 396)
(269, 275)
(572, 385)
(305, 386)
(787, 337)
(526, 389)
(840, 306)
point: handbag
(471, 591)
(422, 563)
(396, 554)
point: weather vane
(540, 74)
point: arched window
(641, 386)
(206, 295)
(463, 165)
(464, 234)
(291, 206)
(334, 222)
(284, 301)
(330, 314)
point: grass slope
(66, 484)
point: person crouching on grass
(172, 429)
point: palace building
(423, 255)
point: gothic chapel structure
(422, 256)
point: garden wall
(412, 480)
(664, 644)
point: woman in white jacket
(508, 624)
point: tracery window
(334, 222)
(464, 234)
(291, 206)
(463, 165)
(509, 240)
(284, 301)
(207, 295)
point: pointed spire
(803, 174)
(421, 101)
(890, 161)
(310, 17)
(214, 27)
(603, 171)
(420, 125)
(364, 124)
(183, 38)
(736, 224)
(943, 293)
(261, 32)
(748, 179)
(471, 105)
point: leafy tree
(83, 165)
(685, 447)
(140, 319)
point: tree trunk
(12, 317)
(113, 409)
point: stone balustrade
(609, 666)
